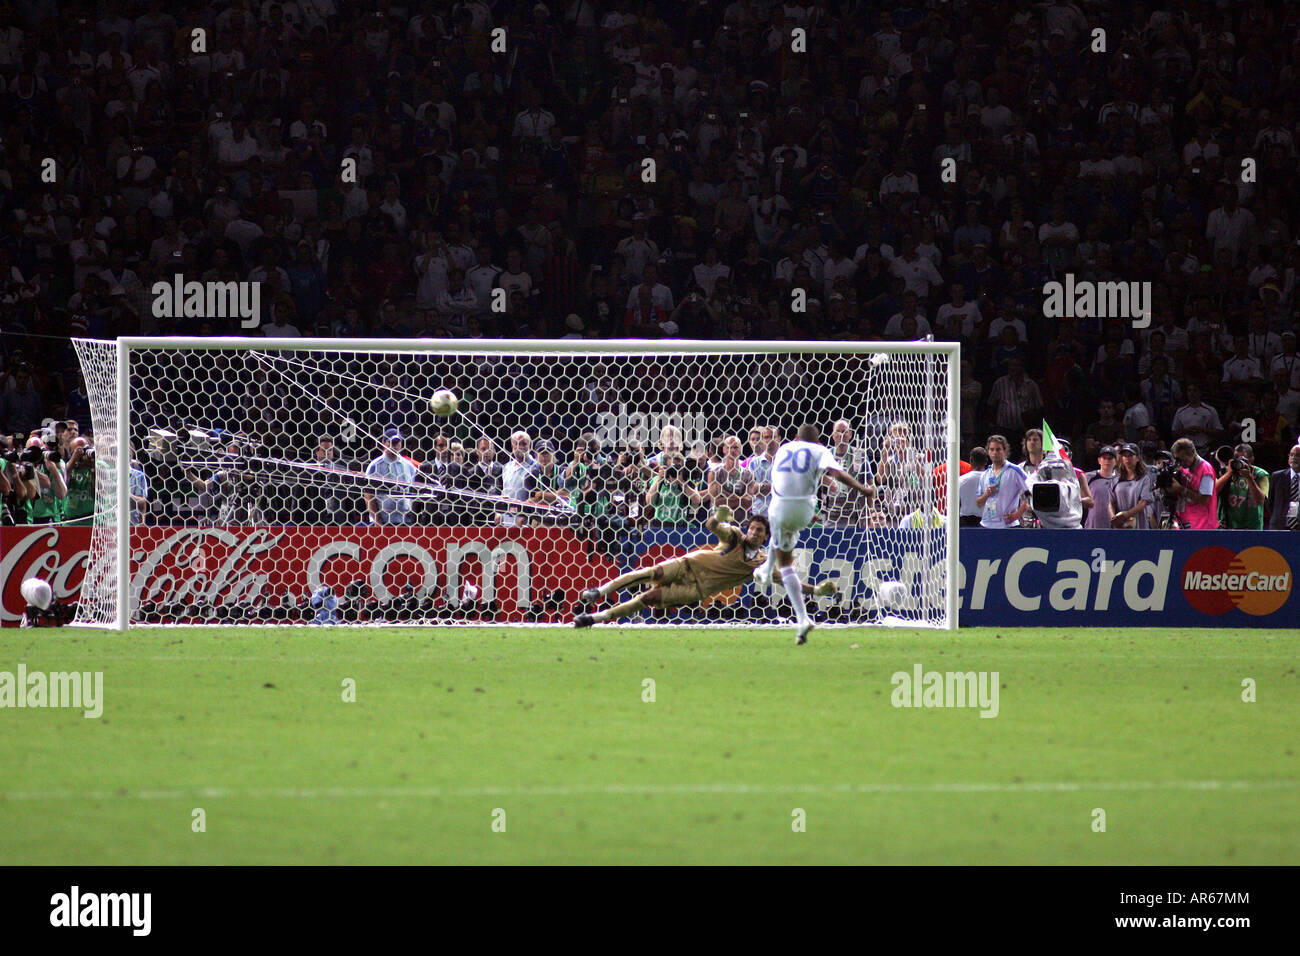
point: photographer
(1195, 487)
(631, 475)
(80, 503)
(15, 484)
(1242, 489)
(672, 497)
(43, 474)
(586, 479)
(234, 493)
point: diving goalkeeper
(695, 576)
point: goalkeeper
(695, 576)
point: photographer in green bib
(45, 468)
(79, 506)
(1242, 489)
(673, 495)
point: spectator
(484, 473)
(729, 482)
(545, 484)
(1001, 498)
(1015, 400)
(1132, 498)
(1101, 485)
(1197, 421)
(385, 507)
(1284, 495)
(516, 472)
(968, 487)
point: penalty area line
(646, 789)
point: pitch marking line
(314, 793)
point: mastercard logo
(1257, 581)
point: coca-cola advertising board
(514, 567)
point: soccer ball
(444, 402)
(892, 595)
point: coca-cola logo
(52, 554)
(182, 569)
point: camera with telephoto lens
(1238, 463)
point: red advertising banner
(222, 566)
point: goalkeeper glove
(826, 588)
(722, 514)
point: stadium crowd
(132, 152)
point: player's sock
(794, 588)
(619, 610)
(618, 584)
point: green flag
(1049, 441)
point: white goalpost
(258, 481)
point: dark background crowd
(131, 155)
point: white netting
(98, 598)
(271, 499)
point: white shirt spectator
(1237, 370)
(431, 272)
(1001, 322)
(1196, 152)
(1198, 422)
(1096, 169)
(969, 313)
(1230, 230)
(274, 330)
(1289, 362)
(661, 297)
(230, 150)
(533, 123)
(707, 276)
(895, 325)
(834, 269)
(892, 184)
(482, 279)
(968, 489)
(638, 253)
(918, 276)
(1264, 346)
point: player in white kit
(796, 476)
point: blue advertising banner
(1019, 578)
(1135, 578)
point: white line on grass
(641, 789)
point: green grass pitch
(550, 727)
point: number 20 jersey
(799, 467)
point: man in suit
(1284, 495)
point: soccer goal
(320, 481)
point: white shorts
(789, 516)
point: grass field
(550, 726)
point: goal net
(294, 481)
